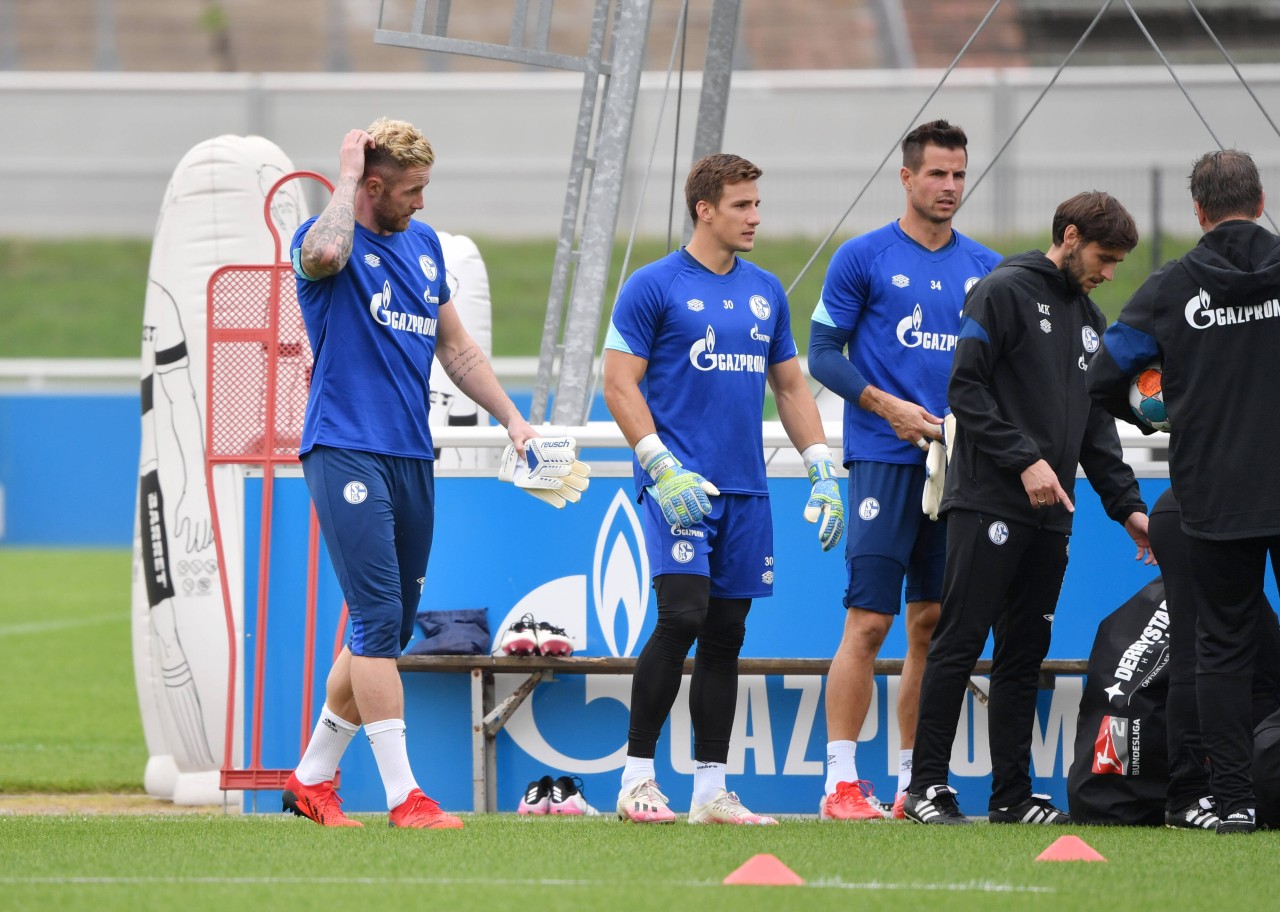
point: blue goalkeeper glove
(681, 494)
(825, 506)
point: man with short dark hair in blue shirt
(893, 296)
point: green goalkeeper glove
(825, 502)
(681, 494)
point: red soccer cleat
(317, 802)
(419, 812)
(849, 802)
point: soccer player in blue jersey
(892, 296)
(693, 340)
(371, 284)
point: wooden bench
(488, 716)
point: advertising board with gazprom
(584, 569)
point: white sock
(841, 763)
(324, 751)
(708, 781)
(904, 770)
(637, 769)
(387, 740)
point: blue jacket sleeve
(829, 366)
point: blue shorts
(888, 539)
(376, 513)
(733, 545)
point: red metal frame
(267, 451)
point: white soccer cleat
(643, 803)
(567, 799)
(521, 638)
(552, 641)
(726, 808)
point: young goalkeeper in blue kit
(693, 339)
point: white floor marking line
(62, 624)
(972, 886)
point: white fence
(90, 154)
(1147, 455)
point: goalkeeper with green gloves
(693, 339)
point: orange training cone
(1069, 848)
(765, 870)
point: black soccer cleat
(1198, 815)
(1238, 821)
(937, 805)
(1037, 809)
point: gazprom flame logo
(701, 353)
(619, 598)
(380, 305)
(620, 575)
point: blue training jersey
(901, 305)
(709, 340)
(372, 327)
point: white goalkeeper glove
(825, 506)
(935, 468)
(548, 469)
(682, 495)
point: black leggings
(686, 612)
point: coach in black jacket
(1024, 422)
(1213, 319)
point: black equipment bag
(1120, 772)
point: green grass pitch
(71, 725)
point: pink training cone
(765, 870)
(1069, 848)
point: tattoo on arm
(330, 238)
(463, 363)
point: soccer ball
(1146, 397)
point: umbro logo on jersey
(695, 305)
(372, 259)
(1046, 326)
(900, 281)
(767, 577)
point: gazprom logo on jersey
(911, 335)
(1201, 314)
(380, 308)
(703, 356)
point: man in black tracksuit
(1213, 320)
(1024, 422)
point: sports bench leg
(490, 746)
(481, 755)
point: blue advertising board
(583, 568)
